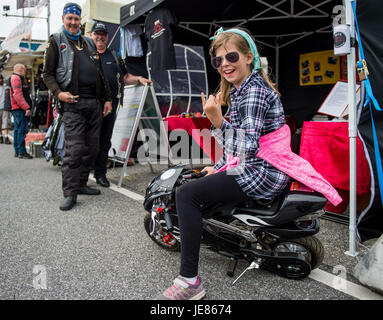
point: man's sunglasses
(232, 57)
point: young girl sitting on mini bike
(255, 110)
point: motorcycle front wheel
(164, 239)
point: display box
(36, 149)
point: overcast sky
(39, 30)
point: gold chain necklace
(78, 45)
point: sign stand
(140, 127)
(148, 116)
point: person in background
(21, 109)
(117, 76)
(4, 114)
(73, 73)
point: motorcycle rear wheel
(165, 240)
(309, 247)
(313, 246)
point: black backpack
(7, 94)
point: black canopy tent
(300, 18)
(283, 29)
(369, 14)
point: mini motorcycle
(278, 236)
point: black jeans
(82, 123)
(105, 142)
(212, 189)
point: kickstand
(253, 265)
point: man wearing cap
(117, 76)
(73, 73)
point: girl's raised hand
(212, 108)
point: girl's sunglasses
(232, 57)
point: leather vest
(66, 58)
(24, 88)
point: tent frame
(275, 39)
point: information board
(125, 118)
(140, 114)
(316, 68)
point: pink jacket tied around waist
(275, 149)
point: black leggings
(212, 189)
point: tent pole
(48, 17)
(276, 62)
(33, 80)
(352, 129)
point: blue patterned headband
(253, 47)
(72, 8)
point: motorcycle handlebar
(195, 175)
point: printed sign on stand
(335, 103)
(125, 118)
(140, 113)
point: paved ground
(99, 250)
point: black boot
(68, 202)
(6, 140)
(25, 156)
(103, 181)
(1, 139)
(89, 191)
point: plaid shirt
(255, 111)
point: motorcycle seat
(260, 207)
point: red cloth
(326, 146)
(194, 126)
(188, 124)
(214, 150)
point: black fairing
(292, 231)
(161, 185)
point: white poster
(125, 118)
(336, 102)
